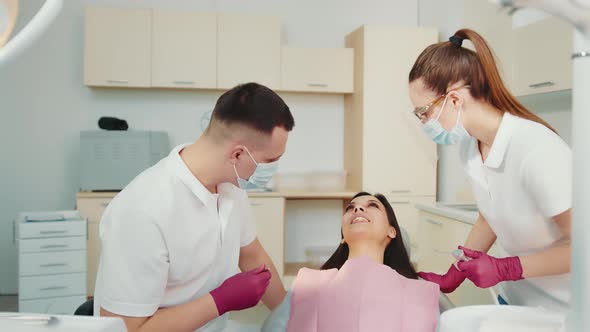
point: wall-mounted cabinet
(249, 50)
(155, 48)
(184, 49)
(117, 47)
(317, 70)
(542, 61)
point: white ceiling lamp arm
(31, 31)
(577, 12)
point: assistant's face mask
(261, 176)
(439, 135)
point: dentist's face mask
(439, 135)
(261, 176)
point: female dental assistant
(519, 168)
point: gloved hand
(242, 291)
(486, 271)
(447, 282)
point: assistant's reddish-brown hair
(446, 63)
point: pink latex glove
(448, 282)
(486, 271)
(242, 291)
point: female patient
(367, 285)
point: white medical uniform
(167, 240)
(525, 180)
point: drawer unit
(52, 264)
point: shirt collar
(182, 172)
(498, 150)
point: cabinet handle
(53, 232)
(542, 84)
(118, 81)
(53, 288)
(54, 246)
(53, 265)
(317, 85)
(400, 191)
(434, 222)
(256, 204)
(184, 82)
(399, 202)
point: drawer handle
(434, 222)
(184, 82)
(54, 265)
(317, 85)
(399, 202)
(53, 288)
(118, 81)
(53, 232)
(542, 84)
(54, 246)
(400, 191)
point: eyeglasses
(420, 112)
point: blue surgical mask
(439, 135)
(261, 176)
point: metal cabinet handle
(434, 222)
(118, 81)
(542, 84)
(256, 204)
(54, 246)
(54, 265)
(317, 85)
(53, 232)
(53, 288)
(399, 202)
(400, 191)
(184, 82)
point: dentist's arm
(185, 317)
(241, 291)
(254, 255)
(481, 237)
(486, 271)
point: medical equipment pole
(579, 319)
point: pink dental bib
(362, 296)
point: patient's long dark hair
(395, 255)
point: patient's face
(366, 219)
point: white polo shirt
(166, 241)
(525, 180)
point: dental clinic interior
(106, 91)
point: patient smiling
(368, 284)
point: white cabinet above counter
(154, 48)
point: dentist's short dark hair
(252, 105)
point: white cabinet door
(184, 49)
(438, 236)
(398, 158)
(249, 50)
(407, 214)
(543, 57)
(117, 47)
(270, 225)
(317, 70)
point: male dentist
(173, 239)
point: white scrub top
(525, 180)
(167, 240)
